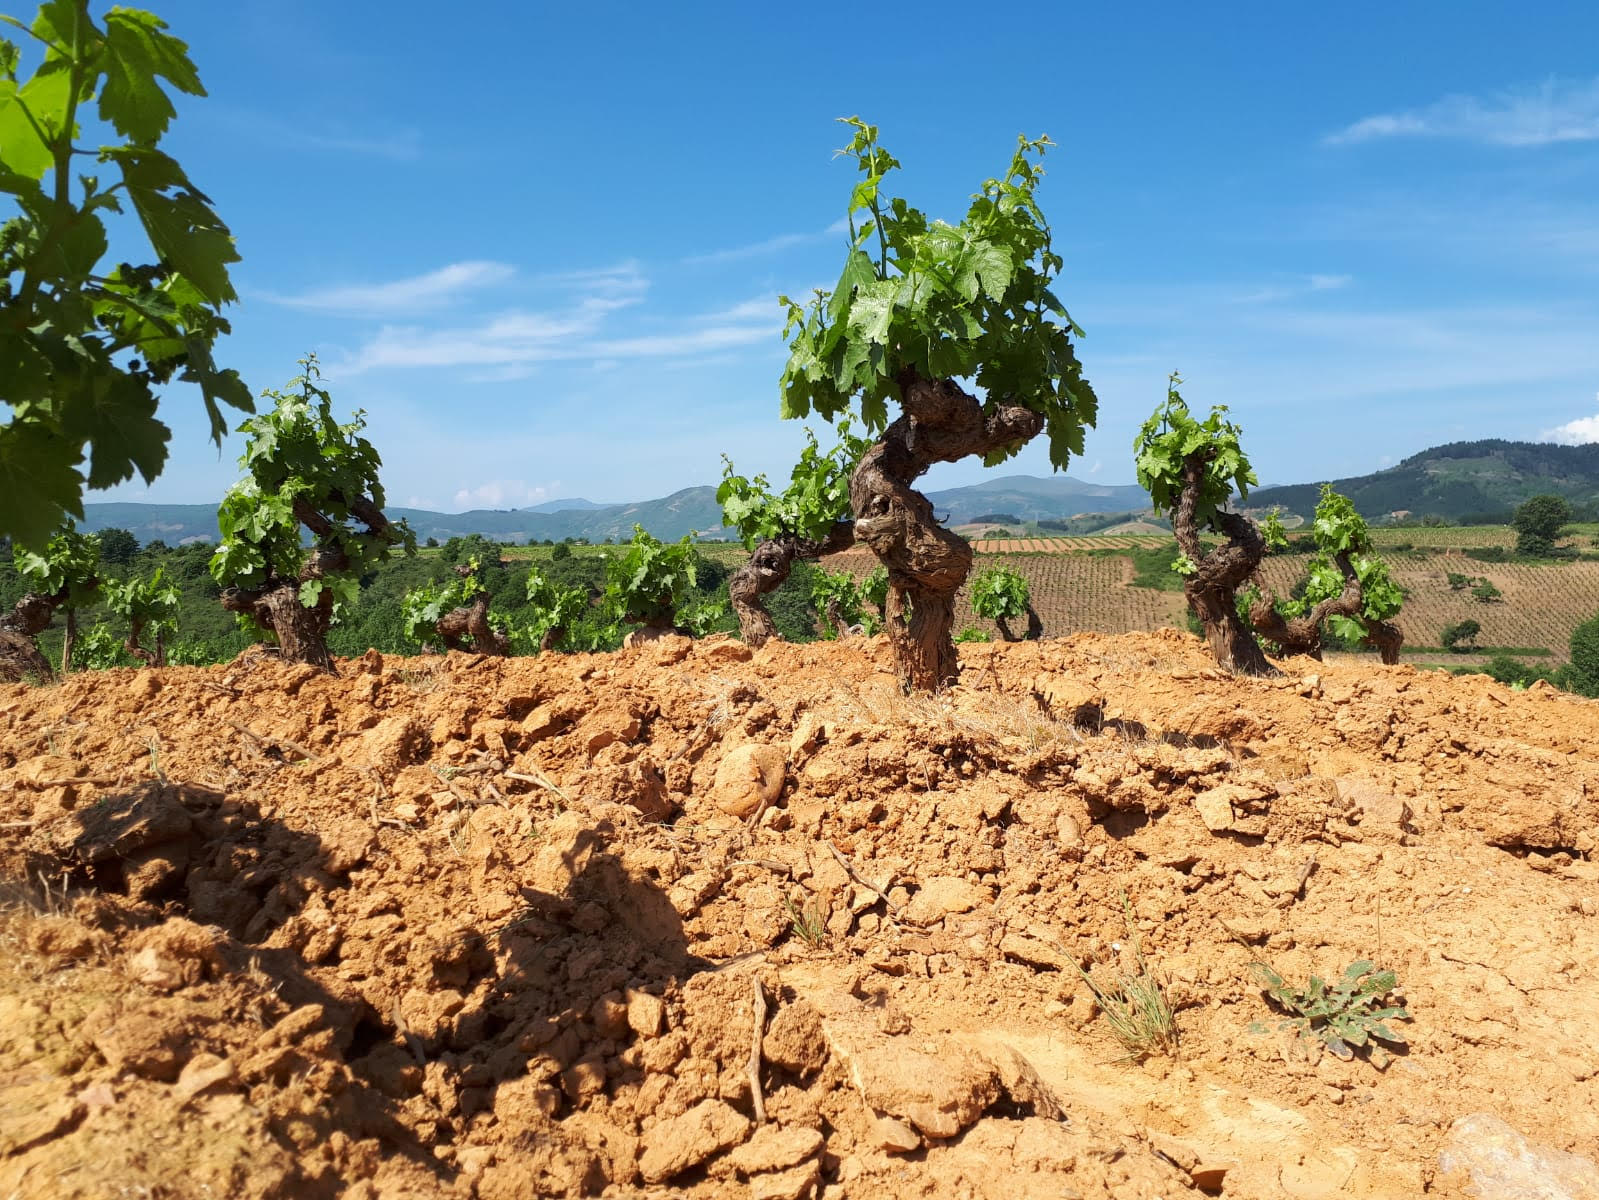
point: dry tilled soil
(687, 920)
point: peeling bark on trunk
(926, 563)
(768, 569)
(1213, 587)
(1302, 634)
(19, 652)
(302, 632)
(471, 621)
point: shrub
(1461, 636)
(1485, 592)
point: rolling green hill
(1459, 480)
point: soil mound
(686, 919)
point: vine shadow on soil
(536, 989)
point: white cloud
(771, 245)
(506, 345)
(1552, 112)
(1327, 283)
(502, 493)
(1301, 284)
(1574, 433)
(418, 293)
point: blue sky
(541, 244)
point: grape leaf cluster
(84, 346)
(1000, 594)
(817, 496)
(972, 300)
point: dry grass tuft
(1141, 1017)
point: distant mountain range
(1459, 480)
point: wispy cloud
(1554, 111)
(771, 245)
(506, 345)
(395, 145)
(503, 493)
(1574, 433)
(1297, 287)
(417, 293)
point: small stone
(1483, 1156)
(645, 1013)
(894, 1136)
(941, 896)
(773, 1148)
(201, 1072)
(796, 1183)
(685, 1141)
(748, 777)
(1215, 810)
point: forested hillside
(1462, 481)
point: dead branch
(849, 869)
(759, 1002)
(271, 741)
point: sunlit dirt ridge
(496, 928)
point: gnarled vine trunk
(301, 630)
(926, 563)
(472, 621)
(1386, 638)
(1212, 589)
(768, 569)
(19, 652)
(132, 646)
(1302, 634)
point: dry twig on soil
(275, 743)
(849, 869)
(759, 1000)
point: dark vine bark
(302, 631)
(1302, 634)
(19, 652)
(1212, 589)
(471, 621)
(1386, 638)
(768, 569)
(132, 645)
(939, 422)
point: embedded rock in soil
(794, 1038)
(748, 777)
(679, 1143)
(941, 896)
(175, 954)
(32, 1112)
(774, 1149)
(395, 742)
(939, 1091)
(1485, 1157)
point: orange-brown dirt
(497, 928)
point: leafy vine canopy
(968, 301)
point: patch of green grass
(1141, 1018)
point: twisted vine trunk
(1302, 634)
(1212, 589)
(926, 563)
(471, 621)
(19, 652)
(1386, 638)
(768, 569)
(302, 630)
(132, 645)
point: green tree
(118, 547)
(146, 606)
(1461, 637)
(1538, 523)
(1002, 595)
(1582, 674)
(1191, 469)
(302, 468)
(920, 307)
(1484, 592)
(85, 347)
(809, 519)
(65, 574)
(1347, 588)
